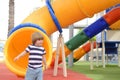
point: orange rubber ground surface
(5, 74)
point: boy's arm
(44, 61)
(20, 55)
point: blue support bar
(96, 27)
(53, 16)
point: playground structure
(19, 37)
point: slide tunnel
(67, 12)
(89, 32)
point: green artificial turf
(111, 72)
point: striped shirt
(35, 56)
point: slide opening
(16, 43)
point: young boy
(36, 56)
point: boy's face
(39, 42)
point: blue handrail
(26, 25)
(53, 16)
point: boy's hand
(45, 67)
(16, 58)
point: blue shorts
(34, 74)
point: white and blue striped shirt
(35, 56)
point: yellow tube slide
(66, 11)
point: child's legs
(39, 74)
(30, 74)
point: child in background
(36, 56)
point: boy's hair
(36, 36)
